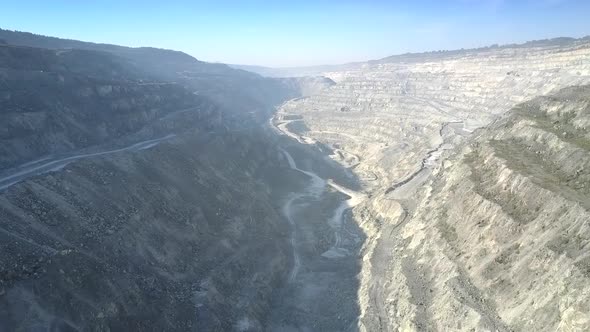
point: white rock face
(379, 110)
(494, 237)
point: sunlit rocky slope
(390, 113)
(499, 237)
(466, 230)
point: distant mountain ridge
(406, 57)
(552, 42)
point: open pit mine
(144, 190)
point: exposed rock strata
(499, 239)
(483, 242)
(389, 114)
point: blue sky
(299, 33)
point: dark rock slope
(55, 101)
(57, 95)
(181, 236)
(178, 237)
(238, 91)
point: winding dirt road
(51, 164)
(337, 220)
(314, 189)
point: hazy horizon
(318, 33)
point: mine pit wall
(422, 268)
(499, 237)
(179, 237)
(381, 110)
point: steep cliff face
(499, 239)
(182, 236)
